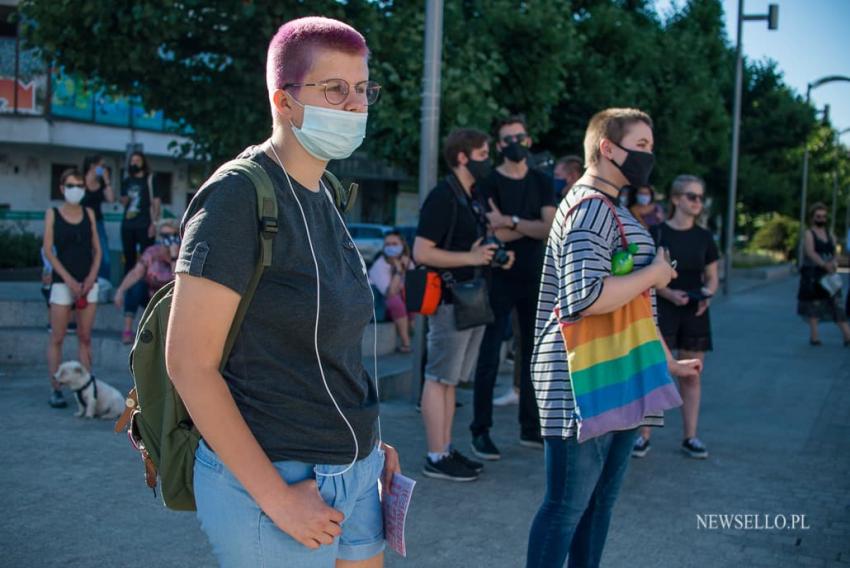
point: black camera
(500, 255)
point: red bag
(423, 290)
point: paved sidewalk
(776, 418)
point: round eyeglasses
(336, 90)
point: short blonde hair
(613, 124)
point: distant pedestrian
(141, 210)
(154, 269)
(583, 480)
(72, 247)
(99, 191)
(683, 314)
(567, 171)
(387, 275)
(814, 302)
(643, 206)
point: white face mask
(329, 134)
(74, 195)
(643, 199)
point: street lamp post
(834, 210)
(772, 18)
(809, 87)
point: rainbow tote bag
(618, 368)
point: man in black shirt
(452, 225)
(522, 207)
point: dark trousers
(137, 297)
(134, 241)
(507, 294)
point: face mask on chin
(330, 134)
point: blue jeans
(242, 535)
(582, 485)
(103, 271)
(137, 296)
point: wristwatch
(515, 221)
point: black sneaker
(449, 469)
(531, 441)
(57, 400)
(641, 447)
(695, 448)
(484, 448)
(473, 465)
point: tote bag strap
(620, 227)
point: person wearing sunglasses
(683, 306)
(154, 270)
(814, 302)
(72, 248)
(521, 208)
(288, 469)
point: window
(55, 174)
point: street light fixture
(772, 19)
(809, 87)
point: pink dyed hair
(293, 47)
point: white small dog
(94, 398)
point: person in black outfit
(72, 247)
(449, 238)
(141, 210)
(683, 304)
(814, 303)
(522, 207)
(98, 191)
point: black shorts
(682, 328)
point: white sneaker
(507, 399)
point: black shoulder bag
(471, 298)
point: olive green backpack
(156, 420)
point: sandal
(404, 349)
(815, 342)
(127, 337)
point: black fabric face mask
(134, 169)
(515, 152)
(480, 169)
(636, 167)
(820, 224)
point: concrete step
(26, 345)
(34, 313)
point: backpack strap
(343, 198)
(268, 222)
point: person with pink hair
(288, 469)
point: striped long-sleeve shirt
(578, 259)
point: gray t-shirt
(273, 373)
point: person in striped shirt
(583, 480)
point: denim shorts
(242, 535)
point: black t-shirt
(435, 220)
(93, 200)
(137, 212)
(272, 372)
(693, 249)
(524, 198)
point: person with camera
(72, 248)
(451, 237)
(521, 209)
(683, 308)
